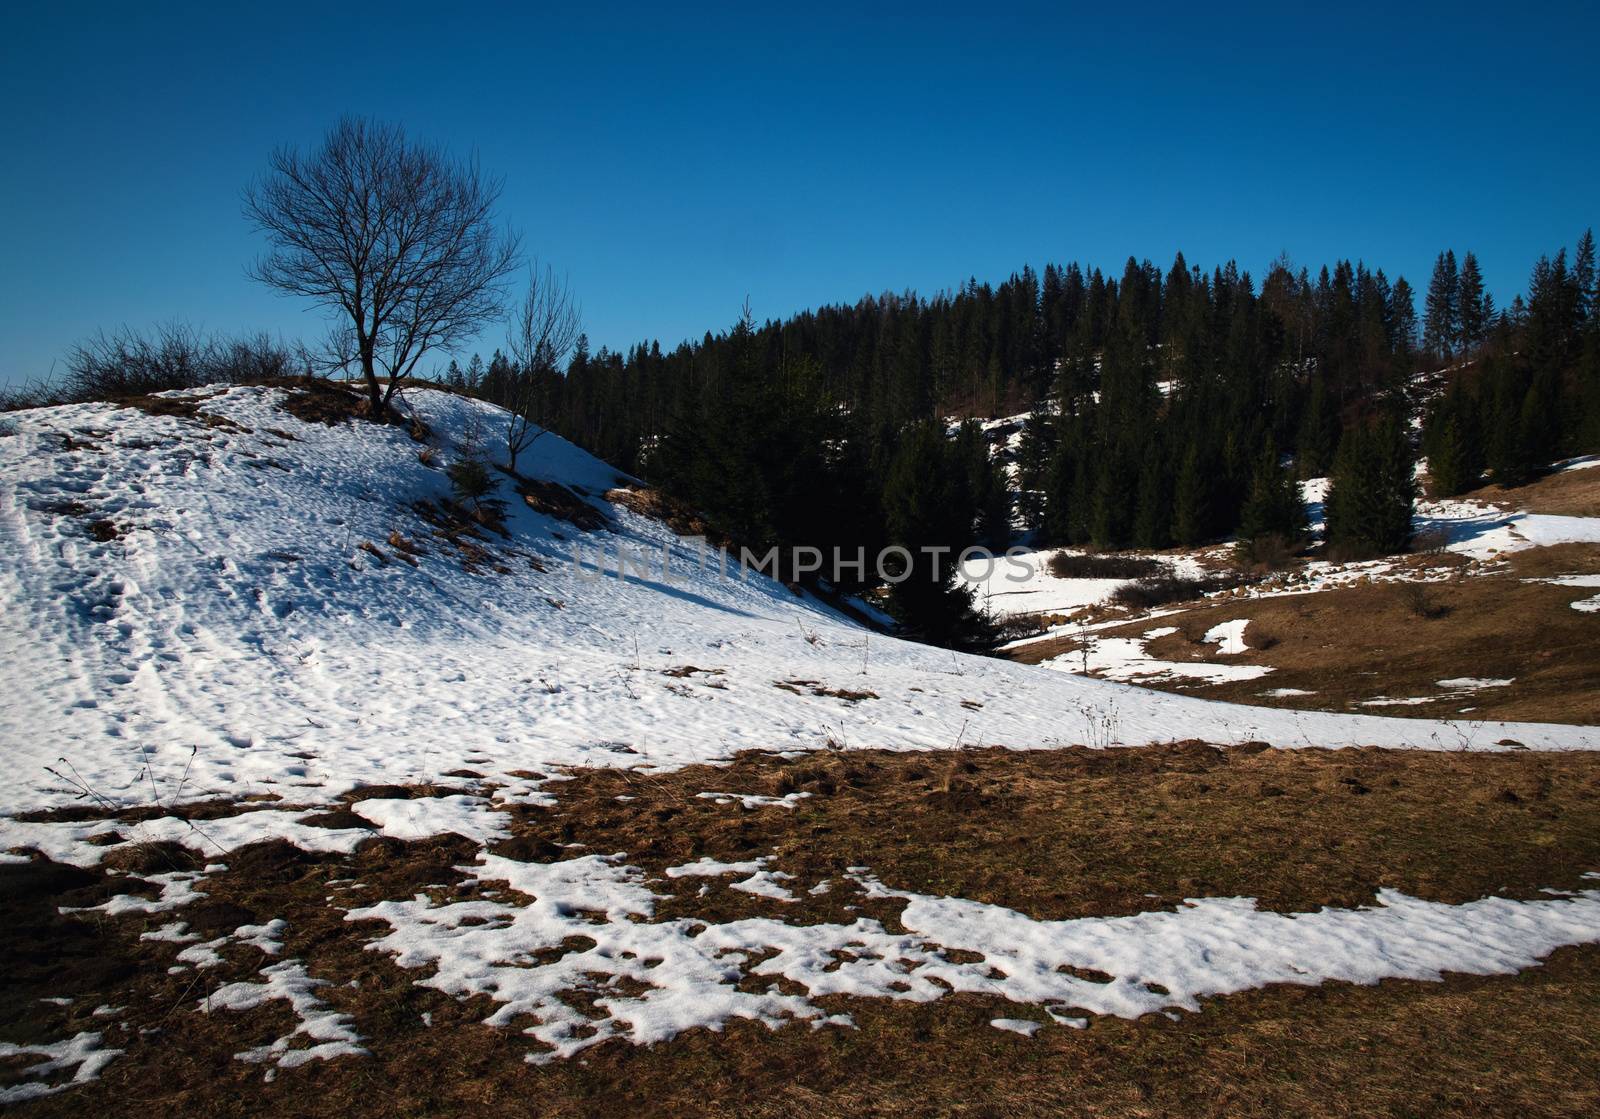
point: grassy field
(1348, 646)
(1052, 833)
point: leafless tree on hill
(544, 326)
(395, 237)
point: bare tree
(543, 328)
(395, 237)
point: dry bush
(1147, 594)
(128, 362)
(1066, 565)
(1419, 600)
(1430, 542)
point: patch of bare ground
(1349, 646)
(1052, 833)
(556, 500)
(677, 515)
(1571, 493)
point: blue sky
(672, 163)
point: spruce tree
(1583, 278)
(1060, 474)
(1319, 431)
(921, 499)
(1441, 320)
(1152, 526)
(1452, 440)
(1403, 317)
(1506, 390)
(1191, 513)
(1373, 491)
(1473, 304)
(1115, 495)
(1273, 522)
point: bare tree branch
(543, 328)
(397, 239)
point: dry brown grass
(1572, 493)
(1055, 833)
(1354, 644)
(314, 400)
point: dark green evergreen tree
(1475, 306)
(1452, 441)
(1192, 514)
(924, 510)
(1441, 323)
(1373, 490)
(1273, 524)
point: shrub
(1068, 565)
(1146, 594)
(172, 356)
(1272, 550)
(1418, 599)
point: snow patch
(330, 1031)
(652, 980)
(1229, 637)
(425, 817)
(82, 1053)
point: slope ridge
(189, 612)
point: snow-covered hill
(208, 605)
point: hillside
(312, 774)
(233, 611)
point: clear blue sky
(673, 162)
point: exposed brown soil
(1054, 833)
(315, 400)
(1351, 645)
(1572, 493)
(680, 517)
(555, 500)
(186, 407)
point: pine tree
(1192, 512)
(1583, 278)
(1473, 304)
(919, 498)
(1273, 522)
(1373, 491)
(1442, 319)
(1452, 440)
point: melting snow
(1124, 658)
(1229, 637)
(423, 817)
(82, 1053)
(330, 1031)
(753, 800)
(653, 980)
(1024, 1026)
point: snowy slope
(237, 640)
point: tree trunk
(374, 390)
